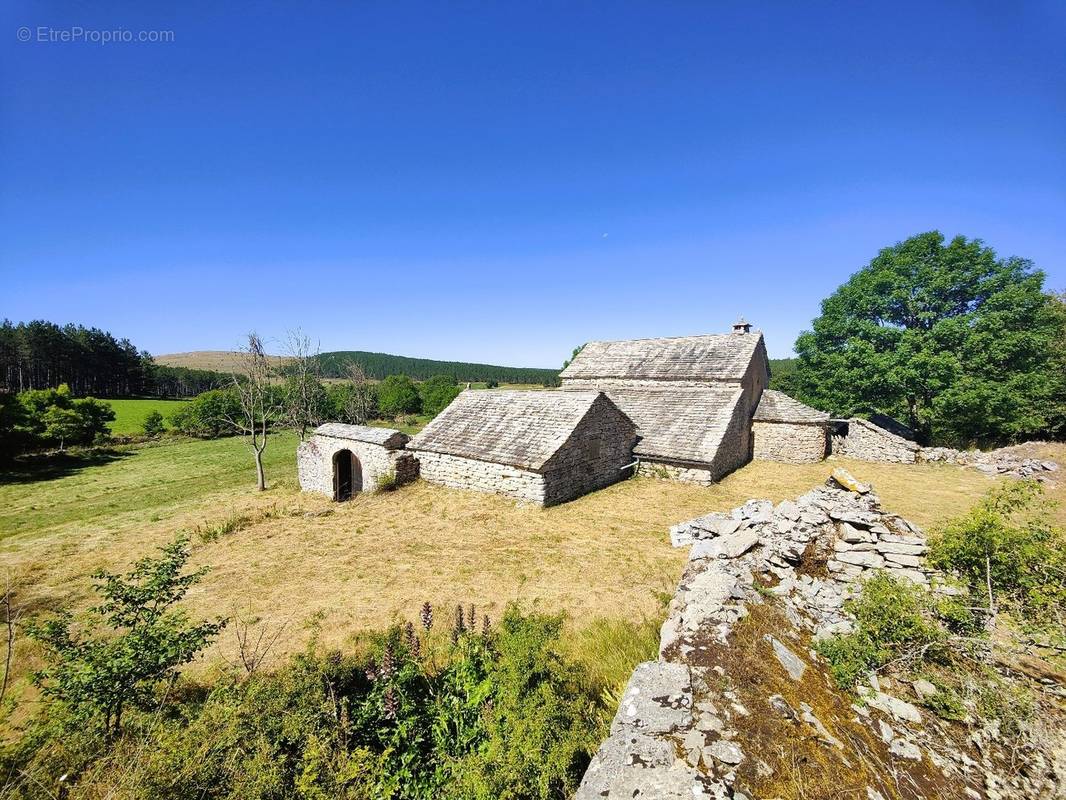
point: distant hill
(375, 365)
(381, 365)
(224, 361)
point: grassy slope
(378, 558)
(376, 365)
(130, 414)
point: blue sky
(502, 181)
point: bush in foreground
(462, 709)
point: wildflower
(390, 703)
(485, 624)
(471, 618)
(427, 615)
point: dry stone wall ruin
(739, 706)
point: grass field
(282, 558)
(130, 414)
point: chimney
(742, 326)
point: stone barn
(538, 447)
(785, 429)
(692, 397)
(341, 460)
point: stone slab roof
(388, 438)
(518, 428)
(682, 424)
(777, 406)
(714, 357)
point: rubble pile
(1005, 462)
(738, 699)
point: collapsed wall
(738, 705)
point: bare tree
(11, 614)
(303, 390)
(253, 648)
(259, 401)
(360, 403)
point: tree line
(380, 365)
(89, 361)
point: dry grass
(218, 360)
(283, 557)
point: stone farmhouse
(539, 447)
(691, 408)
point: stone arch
(347, 475)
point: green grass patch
(135, 483)
(130, 414)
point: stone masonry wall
(675, 472)
(593, 457)
(481, 476)
(314, 463)
(735, 450)
(789, 442)
(867, 442)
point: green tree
(438, 392)
(146, 640)
(397, 395)
(62, 425)
(207, 415)
(153, 424)
(958, 342)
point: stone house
(692, 397)
(786, 430)
(341, 460)
(539, 447)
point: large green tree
(965, 346)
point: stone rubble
(680, 728)
(1004, 462)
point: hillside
(381, 365)
(376, 365)
(225, 361)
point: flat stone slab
(732, 546)
(657, 699)
(792, 663)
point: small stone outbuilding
(786, 430)
(341, 460)
(538, 447)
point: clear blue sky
(502, 181)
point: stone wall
(594, 456)
(481, 476)
(676, 472)
(314, 464)
(791, 443)
(736, 447)
(867, 442)
(739, 700)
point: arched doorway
(347, 475)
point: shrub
(482, 713)
(206, 415)
(153, 424)
(398, 395)
(1005, 546)
(148, 640)
(893, 621)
